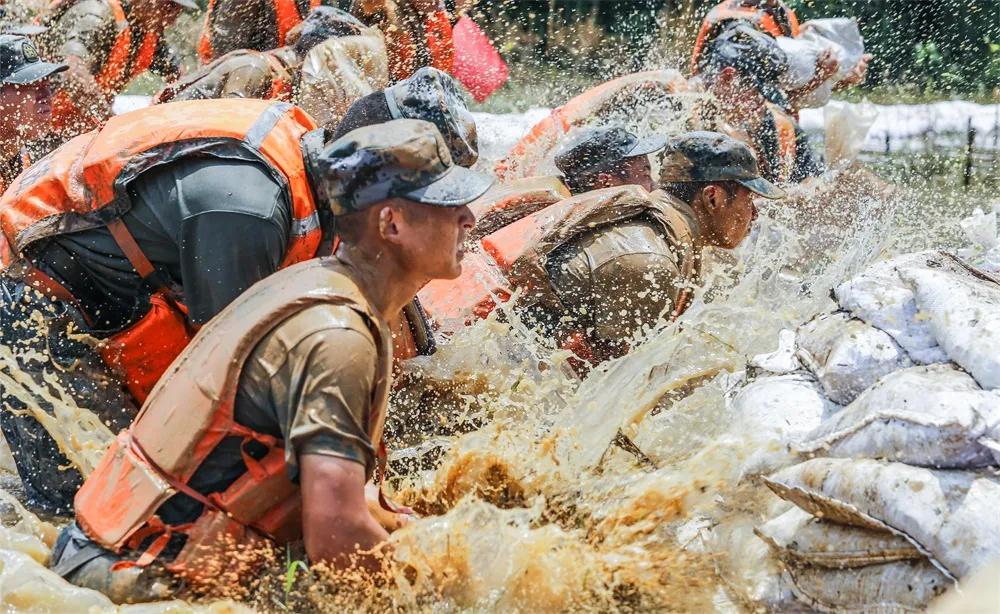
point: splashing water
(532, 505)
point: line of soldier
(251, 276)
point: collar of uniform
(684, 210)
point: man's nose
(754, 212)
(467, 219)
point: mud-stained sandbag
(949, 515)
(907, 586)
(798, 538)
(963, 312)
(26, 586)
(933, 416)
(776, 412)
(847, 355)
(881, 298)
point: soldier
(257, 25)
(417, 33)
(606, 157)
(106, 44)
(299, 368)
(25, 103)
(741, 67)
(272, 74)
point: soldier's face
(432, 238)
(26, 110)
(732, 213)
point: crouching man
(268, 427)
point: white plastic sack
(783, 359)
(963, 312)
(775, 412)
(948, 515)
(842, 37)
(798, 538)
(26, 586)
(847, 355)
(801, 54)
(846, 126)
(934, 416)
(881, 298)
(906, 586)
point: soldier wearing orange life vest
(25, 103)
(418, 33)
(106, 44)
(271, 74)
(741, 68)
(284, 393)
(596, 268)
(186, 205)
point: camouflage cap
(755, 55)
(596, 149)
(403, 158)
(434, 96)
(20, 63)
(709, 157)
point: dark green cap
(435, 96)
(404, 158)
(20, 64)
(713, 157)
(755, 56)
(594, 150)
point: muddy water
(533, 507)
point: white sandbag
(775, 412)
(906, 586)
(783, 359)
(964, 314)
(798, 538)
(843, 35)
(847, 355)
(949, 515)
(846, 127)
(879, 297)
(932, 416)
(801, 54)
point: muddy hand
(390, 521)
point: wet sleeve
(325, 394)
(89, 31)
(234, 232)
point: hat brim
(24, 29)
(648, 145)
(36, 71)
(762, 187)
(188, 4)
(774, 95)
(456, 187)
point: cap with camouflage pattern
(711, 156)
(404, 158)
(20, 64)
(597, 149)
(755, 56)
(325, 22)
(435, 96)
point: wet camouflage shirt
(239, 74)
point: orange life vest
(83, 184)
(190, 412)
(413, 41)
(729, 10)
(120, 67)
(287, 16)
(514, 256)
(787, 158)
(526, 157)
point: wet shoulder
(318, 326)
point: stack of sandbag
(898, 494)
(888, 440)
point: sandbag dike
(894, 488)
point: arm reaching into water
(336, 521)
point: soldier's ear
(714, 197)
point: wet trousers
(43, 354)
